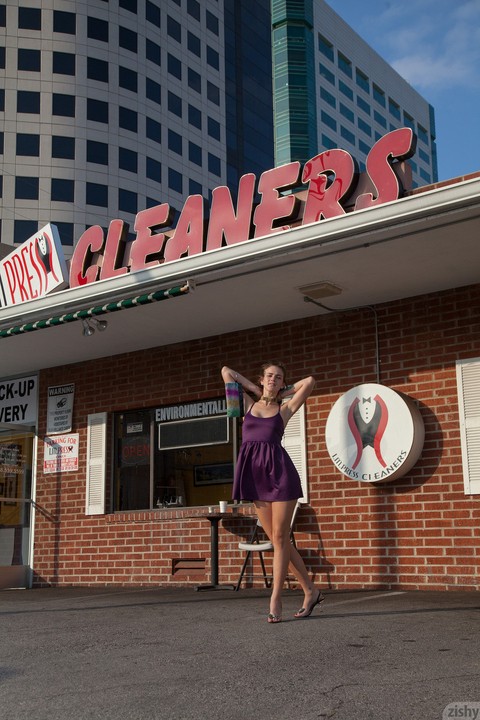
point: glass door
(16, 452)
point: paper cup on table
(223, 506)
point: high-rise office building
(110, 108)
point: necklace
(267, 400)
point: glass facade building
(109, 108)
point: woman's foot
(275, 614)
(274, 618)
(315, 598)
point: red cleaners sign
(331, 183)
(35, 268)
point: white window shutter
(96, 460)
(294, 442)
(468, 384)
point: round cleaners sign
(374, 433)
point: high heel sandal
(307, 611)
(274, 618)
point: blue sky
(435, 46)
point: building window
(97, 110)
(28, 101)
(64, 22)
(63, 147)
(175, 181)
(194, 188)
(168, 464)
(379, 95)
(345, 90)
(194, 117)
(127, 201)
(327, 74)
(154, 170)
(175, 142)
(364, 127)
(362, 81)
(23, 229)
(130, 5)
(174, 66)
(422, 134)
(2, 101)
(347, 113)
(408, 121)
(153, 130)
(345, 65)
(3, 15)
(65, 230)
(193, 44)
(213, 93)
(193, 9)
(97, 69)
(96, 194)
(214, 164)
(194, 80)
(468, 382)
(62, 190)
(97, 152)
(328, 143)
(128, 79)
(363, 147)
(153, 52)
(325, 47)
(328, 120)
(26, 188)
(213, 128)
(363, 105)
(174, 104)
(28, 144)
(195, 153)
(2, 58)
(97, 29)
(127, 160)
(128, 119)
(394, 108)
(174, 29)
(29, 18)
(152, 13)
(128, 39)
(379, 119)
(29, 60)
(153, 91)
(63, 105)
(2, 142)
(211, 22)
(213, 58)
(328, 97)
(63, 63)
(347, 135)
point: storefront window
(174, 456)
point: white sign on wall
(60, 408)
(374, 433)
(18, 401)
(60, 453)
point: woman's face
(272, 380)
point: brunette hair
(275, 363)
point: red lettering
(114, 247)
(33, 261)
(148, 243)
(188, 237)
(325, 193)
(273, 207)
(84, 268)
(11, 280)
(20, 273)
(224, 226)
(398, 144)
(25, 251)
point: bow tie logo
(364, 400)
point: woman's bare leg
(276, 520)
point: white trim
(468, 386)
(96, 464)
(294, 442)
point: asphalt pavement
(141, 654)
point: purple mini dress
(264, 469)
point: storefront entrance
(16, 453)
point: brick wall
(419, 532)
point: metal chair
(255, 546)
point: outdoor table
(214, 520)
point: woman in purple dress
(266, 475)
